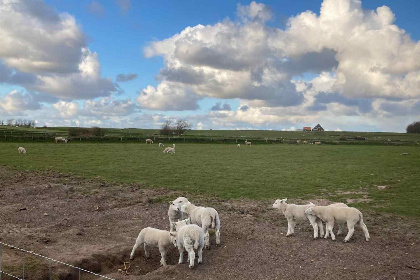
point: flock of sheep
(192, 234)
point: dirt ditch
(93, 224)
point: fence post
(1, 257)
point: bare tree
(182, 125)
(166, 128)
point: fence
(50, 261)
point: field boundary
(50, 260)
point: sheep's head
(182, 223)
(309, 211)
(181, 200)
(174, 206)
(184, 207)
(173, 236)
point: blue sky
(273, 64)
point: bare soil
(93, 224)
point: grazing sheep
(340, 214)
(22, 150)
(189, 237)
(161, 145)
(205, 217)
(317, 143)
(174, 214)
(152, 237)
(293, 212)
(305, 142)
(60, 139)
(239, 145)
(149, 141)
(247, 143)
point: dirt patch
(93, 224)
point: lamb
(317, 143)
(60, 139)
(22, 150)
(161, 145)
(293, 212)
(247, 143)
(174, 214)
(205, 217)
(189, 237)
(340, 214)
(239, 145)
(149, 141)
(170, 150)
(341, 226)
(152, 237)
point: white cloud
(168, 96)
(67, 109)
(15, 101)
(108, 107)
(96, 8)
(44, 51)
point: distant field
(20, 134)
(335, 172)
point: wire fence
(50, 261)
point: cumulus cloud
(45, 51)
(15, 101)
(126, 77)
(355, 55)
(168, 96)
(67, 109)
(219, 107)
(109, 107)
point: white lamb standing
(205, 217)
(247, 143)
(189, 237)
(293, 212)
(22, 150)
(341, 225)
(174, 214)
(330, 214)
(239, 145)
(161, 145)
(152, 237)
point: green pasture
(334, 172)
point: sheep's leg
(191, 256)
(289, 227)
(206, 237)
(181, 254)
(330, 229)
(312, 221)
(293, 226)
(139, 241)
(350, 226)
(146, 251)
(200, 254)
(217, 236)
(321, 228)
(365, 230)
(327, 233)
(163, 256)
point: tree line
(18, 122)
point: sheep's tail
(364, 227)
(196, 243)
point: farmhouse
(318, 127)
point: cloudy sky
(346, 64)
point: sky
(349, 65)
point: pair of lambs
(182, 234)
(337, 212)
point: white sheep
(170, 150)
(239, 145)
(189, 237)
(22, 150)
(149, 141)
(317, 143)
(247, 143)
(60, 139)
(293, 212)
(161, 145)
(205, 217)
(341, 225)
(152, 237)
(174, 214)
(340, 214)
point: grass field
(334, 172)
